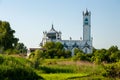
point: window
(86, 19)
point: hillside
(16, 68)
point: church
(84, 44)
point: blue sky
(29, 18)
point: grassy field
(66, 69)
(62, 76)
(50, 69)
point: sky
(29, 18)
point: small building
(30, 50)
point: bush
(82, 56)
(36, 57)
(17, 73)
(112, 70)
(11, 51)
(15, 68)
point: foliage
(79, 55)
(54, 49)
(21, 48)
(103, 55)
(8, 42)
(99, 56)
(36, 57)
(112, 70)
(7, 38)
(10, 51)
(15, 68)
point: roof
(52, 30)
(86, 12)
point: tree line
(99, 55)
(56, 50)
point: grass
(74, 76)
(66, 69)
(50, 69)
(16, 68)
(68, 66)
(60, 69)
(61, 76)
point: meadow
(19, 68)
(67, 69)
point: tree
(67, 54)
(77, 50)
(113, 54)
(21, 48)
(103, 55)
(7, 38)
(113, 49)
(55, 49)
(49, 45)
(99, 56)
(114, 57)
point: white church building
(84, 44)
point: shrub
(17, 73)
(112, 70)
(10, 51)
(15, 68)
(36, 57)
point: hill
(16, 68)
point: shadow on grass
(55, 70)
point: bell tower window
(86, 21)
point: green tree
(49, 45)
(7, 38)
(55, 49)
(113, 49)
(113, 53)
(99, 56)
(67, 54)
(76, 50)
(21, 48)
(114, 57)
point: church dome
(52, 30)
(52, 34)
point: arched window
(86, 19)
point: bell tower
(87, 40)
(86, 25)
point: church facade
(84, 44)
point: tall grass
(67, 66)
(60, 69)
